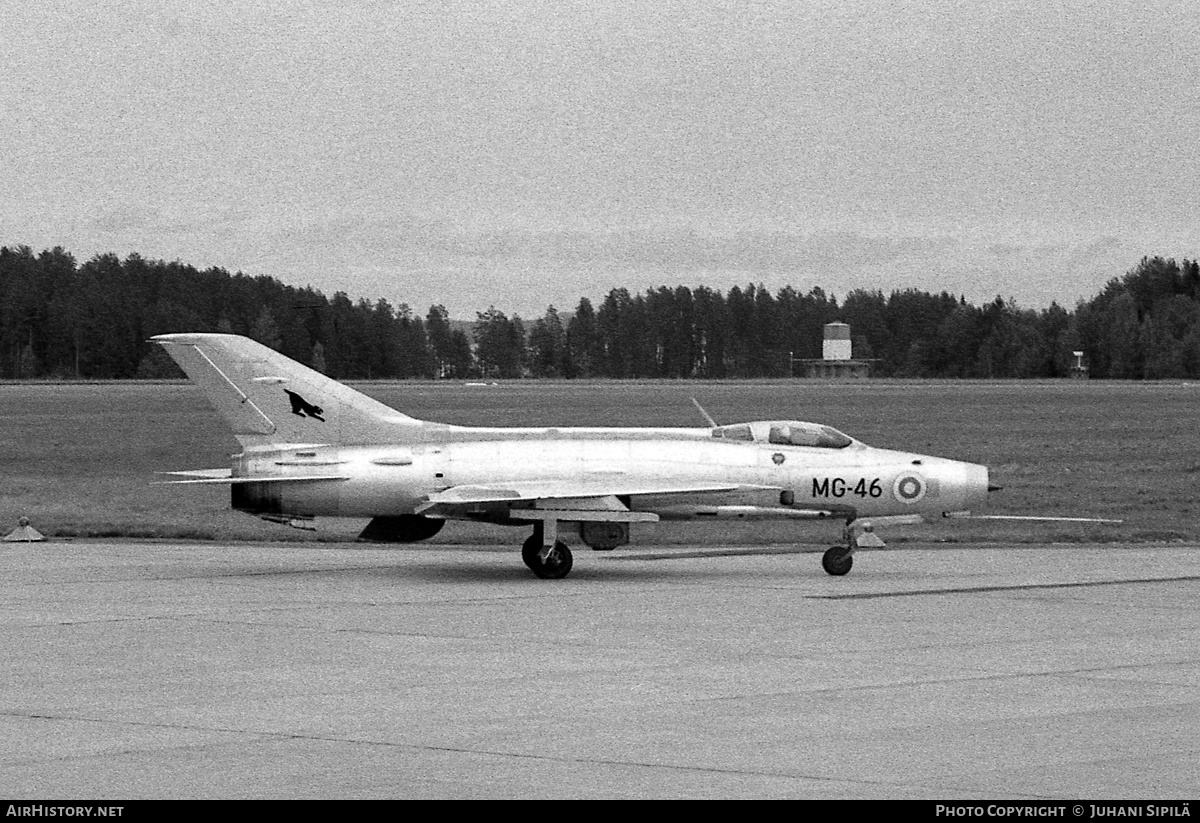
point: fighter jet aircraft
(313, 447)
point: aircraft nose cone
(960, 486)
(977, 485)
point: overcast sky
(523, 153)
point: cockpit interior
(785, 433)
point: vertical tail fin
(267, 398)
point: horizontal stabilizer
(222, 477)
(202, 474)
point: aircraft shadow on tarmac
(470, 570)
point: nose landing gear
(838, 560)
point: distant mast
(1079, 369)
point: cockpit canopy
(785, 433)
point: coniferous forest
(62, 319)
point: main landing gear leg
(546, 555)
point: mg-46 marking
(839, 487)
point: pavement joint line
(1007, 588)
(975, 678)
(284, 736)
(250, 623)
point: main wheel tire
(555, 567)
(530, 549)
(837, 561)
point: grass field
(80, 459)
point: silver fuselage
(856, 481)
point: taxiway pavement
(136, 670)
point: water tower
(836, 345)
(837, 356)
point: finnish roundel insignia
(777, 458)
(909, 487)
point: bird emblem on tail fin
(302, 408)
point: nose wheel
(837, 560)
(547, 562)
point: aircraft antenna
(707, 416)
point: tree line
(60, 319)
